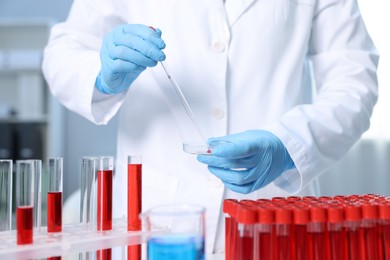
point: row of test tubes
(355, 227)
(28, 200)
(96, 189)
(96, 199)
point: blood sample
(54, 211)
(104, 200)
(263, 232)
(352, 215)
(134, 202)
(317, 233)
(283, 224)
(336, 236)
(369, 230)
(104, 254)
(300, 220)
(104, 193)
(54, 195)
(24, 225)
(384, 219)
(228, 205)
(24, 201)
(246, 218)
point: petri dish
(197, 148)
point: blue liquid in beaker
(176, 248)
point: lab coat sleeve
(71, 60)
(344, 61)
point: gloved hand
(247, 161)
(127, 51)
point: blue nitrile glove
(126, 52)
(247, 161)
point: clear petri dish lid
(197, 148)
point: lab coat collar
(235, 8)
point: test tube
(134, 201)
(369, 230)
(352, 215)
(37, 210)
(317, 233)
(336, 235)
(246, 219)
(5, 194)
(300, 220)
(88, 207)
(263, 232)
(283, 223)
(104, 193)
(54, 195)
(384, 220)
(104, 200)
(24, 201)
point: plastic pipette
(183, 100)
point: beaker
(54, 195)
(5, 195)
(176, 232)
(24, 201)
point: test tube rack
(74, 238)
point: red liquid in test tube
(300, 219)
(384, 219)
(24, 225)
(134, 202)
(369, 229)
(54, 195)
(317, 233)
(263, 232)
(283, 224)
(336, 236)
(104, 200)
(246, 218)
(105, 254)
(228, 205)
(352, 215)
(54, 211)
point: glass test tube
(88, 207)
(104, 193)
(37, 210)
(104, 200)
(352, 216)
(5, 194)
(24, 201)
(384, 219)
(134, 201)
(54, 195)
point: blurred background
(34, 125)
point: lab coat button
(217, 183)
(218, 46)
(218, 113)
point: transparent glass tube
(6, 195)
(134, 201)
(37, 169)
(25, 172)
(104, 193)
(88, 192)
(54, 195)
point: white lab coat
(242, 64)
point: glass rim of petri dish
(201, 148)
